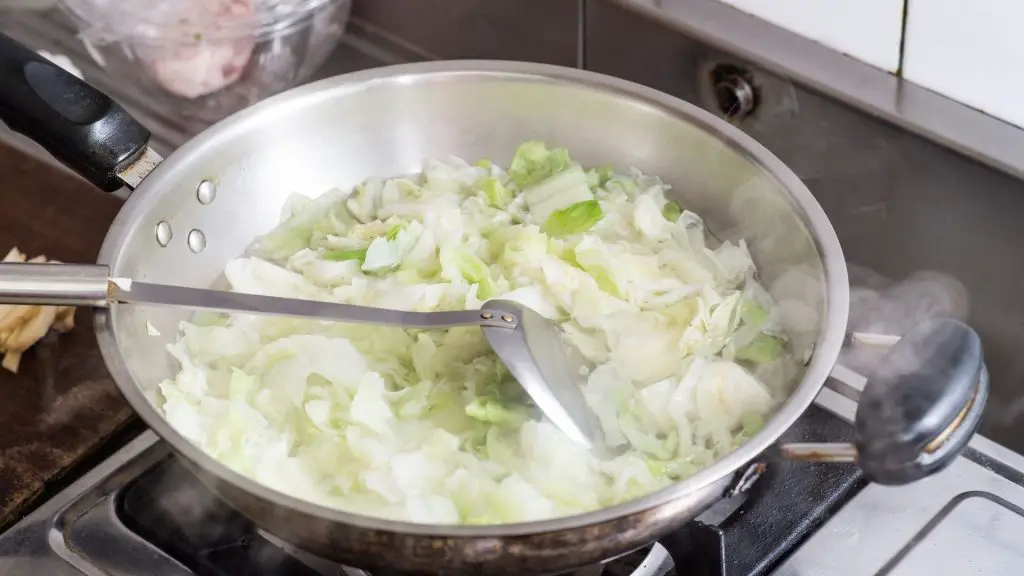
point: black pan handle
(80, 126)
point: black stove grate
(786, 505)
(170, 508)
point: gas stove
(890, 195)
(142, 512)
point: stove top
(142, 512)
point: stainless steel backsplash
(530, 30)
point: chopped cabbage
(534, 163)
(682, 355)
(672, 211)
(343, 255)
(575, 219)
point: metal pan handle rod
(80, 126)
(53, 284)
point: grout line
(581, 34)
(903, 38)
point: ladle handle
(918, 409)
(80, 126)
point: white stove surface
(965, 520)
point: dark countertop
(62, 404)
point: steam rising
(882, 306)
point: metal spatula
(525, 341)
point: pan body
(340, 131)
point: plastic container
(205, 59)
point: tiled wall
(966, 50)
(869, 30)
(969, 50)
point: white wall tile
(969, 50)
(868, 30)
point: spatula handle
(91, 285)
(146, 294)
(53, 284)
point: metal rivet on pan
(163, 233)
(507, 318)
(486, 315)
(196, 241)
(206, 192)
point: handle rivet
(163, 233)
(196, 241)
(206, 192)
(508, 318)
(486, 315)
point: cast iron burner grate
(171, 509)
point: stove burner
(169, 508)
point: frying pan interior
(337, 133)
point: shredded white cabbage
(685, 355)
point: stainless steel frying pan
(193, 212)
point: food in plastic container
(208, 58)
(193, 66)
